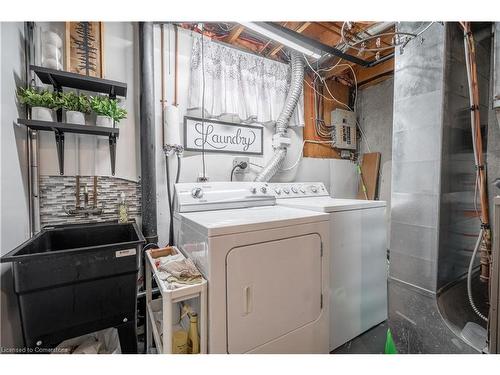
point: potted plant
(76, 106)
(41, 102)
(107, 110)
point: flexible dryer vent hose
(296, 86)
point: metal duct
(296, 85)
(148, 169)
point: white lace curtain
(239, 86)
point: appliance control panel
(208, 196)
(297, 189)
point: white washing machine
(358, 256)
(266, 266)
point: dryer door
(273, 288)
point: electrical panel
(343, 129)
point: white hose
(296, 86)
(469, 276)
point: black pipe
(148, 169)
(309, 42)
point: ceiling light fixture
(270, 31)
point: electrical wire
(226, 28)
(177, 177)
(334, 99)
(301, 152)
(169, 197)
(232, 171)
(395, 43)
(241, 165)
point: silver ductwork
(280, 148)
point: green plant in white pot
(107, 110)
(76, 106)
(42, 102)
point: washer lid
(328, 204)
(223, 222)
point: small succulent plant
(33, 97)
(104, 106)
(73, 102)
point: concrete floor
(370, 342)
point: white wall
(121, 64)
(218, 166)
(13, 191)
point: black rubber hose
(232, 170)
(242, 165)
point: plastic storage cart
(169, 297)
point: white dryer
(358, 256)
(266, 266)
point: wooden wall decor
(84, 48)
(341, 92)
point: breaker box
(343, 129)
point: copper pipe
(481, 174)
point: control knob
(294, 189)
(197, 192)
(314, 189)
(286, 191)
(277, 190)
(302, 190)
(263, 189)
(253, 190)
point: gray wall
(374, 109)
(374, 112)
(14, 216)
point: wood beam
(365, 75)
(299, 29)
(234, 34)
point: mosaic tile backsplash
(58, 192)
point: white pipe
(469, 277)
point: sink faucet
(85, 196)
(86, 209)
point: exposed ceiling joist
(234, 34)
(299, 29)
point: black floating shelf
(59, 128)
(60, 78)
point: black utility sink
(76, 279)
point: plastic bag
(101, 342)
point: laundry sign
(221, 136)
